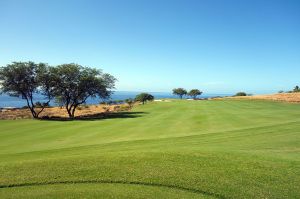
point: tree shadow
(97, 116)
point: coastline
(14, 102)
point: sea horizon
(17, 102)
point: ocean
(7, 101)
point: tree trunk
(31, 108)
(33, 113)
(69, 110)
(73, 111)
(70, 113)
(43, 107)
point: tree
(144, 97)
(26, 80)
(180, 92)
(46, 81)
(296, 89)
(241, 94)
(130, 102)
(194, 93)
(75, 84)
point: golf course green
(171, 149)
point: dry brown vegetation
(61, 112)
(283, 97)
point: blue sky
(218, 46)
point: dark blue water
(7, 101)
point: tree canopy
(75, 84)
(241, 94)
(144, 97)
(70, 84)
(194, 93)
(26, 80)
(180, 92)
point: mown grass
(178, 149)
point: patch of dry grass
(283, 97)
(61, 112)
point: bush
(296, 89)
(38, 105)
(144, 97)
(241, 94)
(41, 105)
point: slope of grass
(178, 149)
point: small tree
(194, 93)
(130, 102)
(25, 80)
(74, 84)
(296, 89)
(241, 94)
(180, 92)
(144, 97)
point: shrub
(144, 97)
(241, 94)
(130, 102)
(296, 89)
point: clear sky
(218, 46)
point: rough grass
(61, 112)
(181, 149)
(282, 97)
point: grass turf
(178, 149)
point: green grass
(178, 149)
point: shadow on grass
(98, 116)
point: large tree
(194, 93)
(26, 80)
(180, 92)
(75, 84)
(144, 97)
